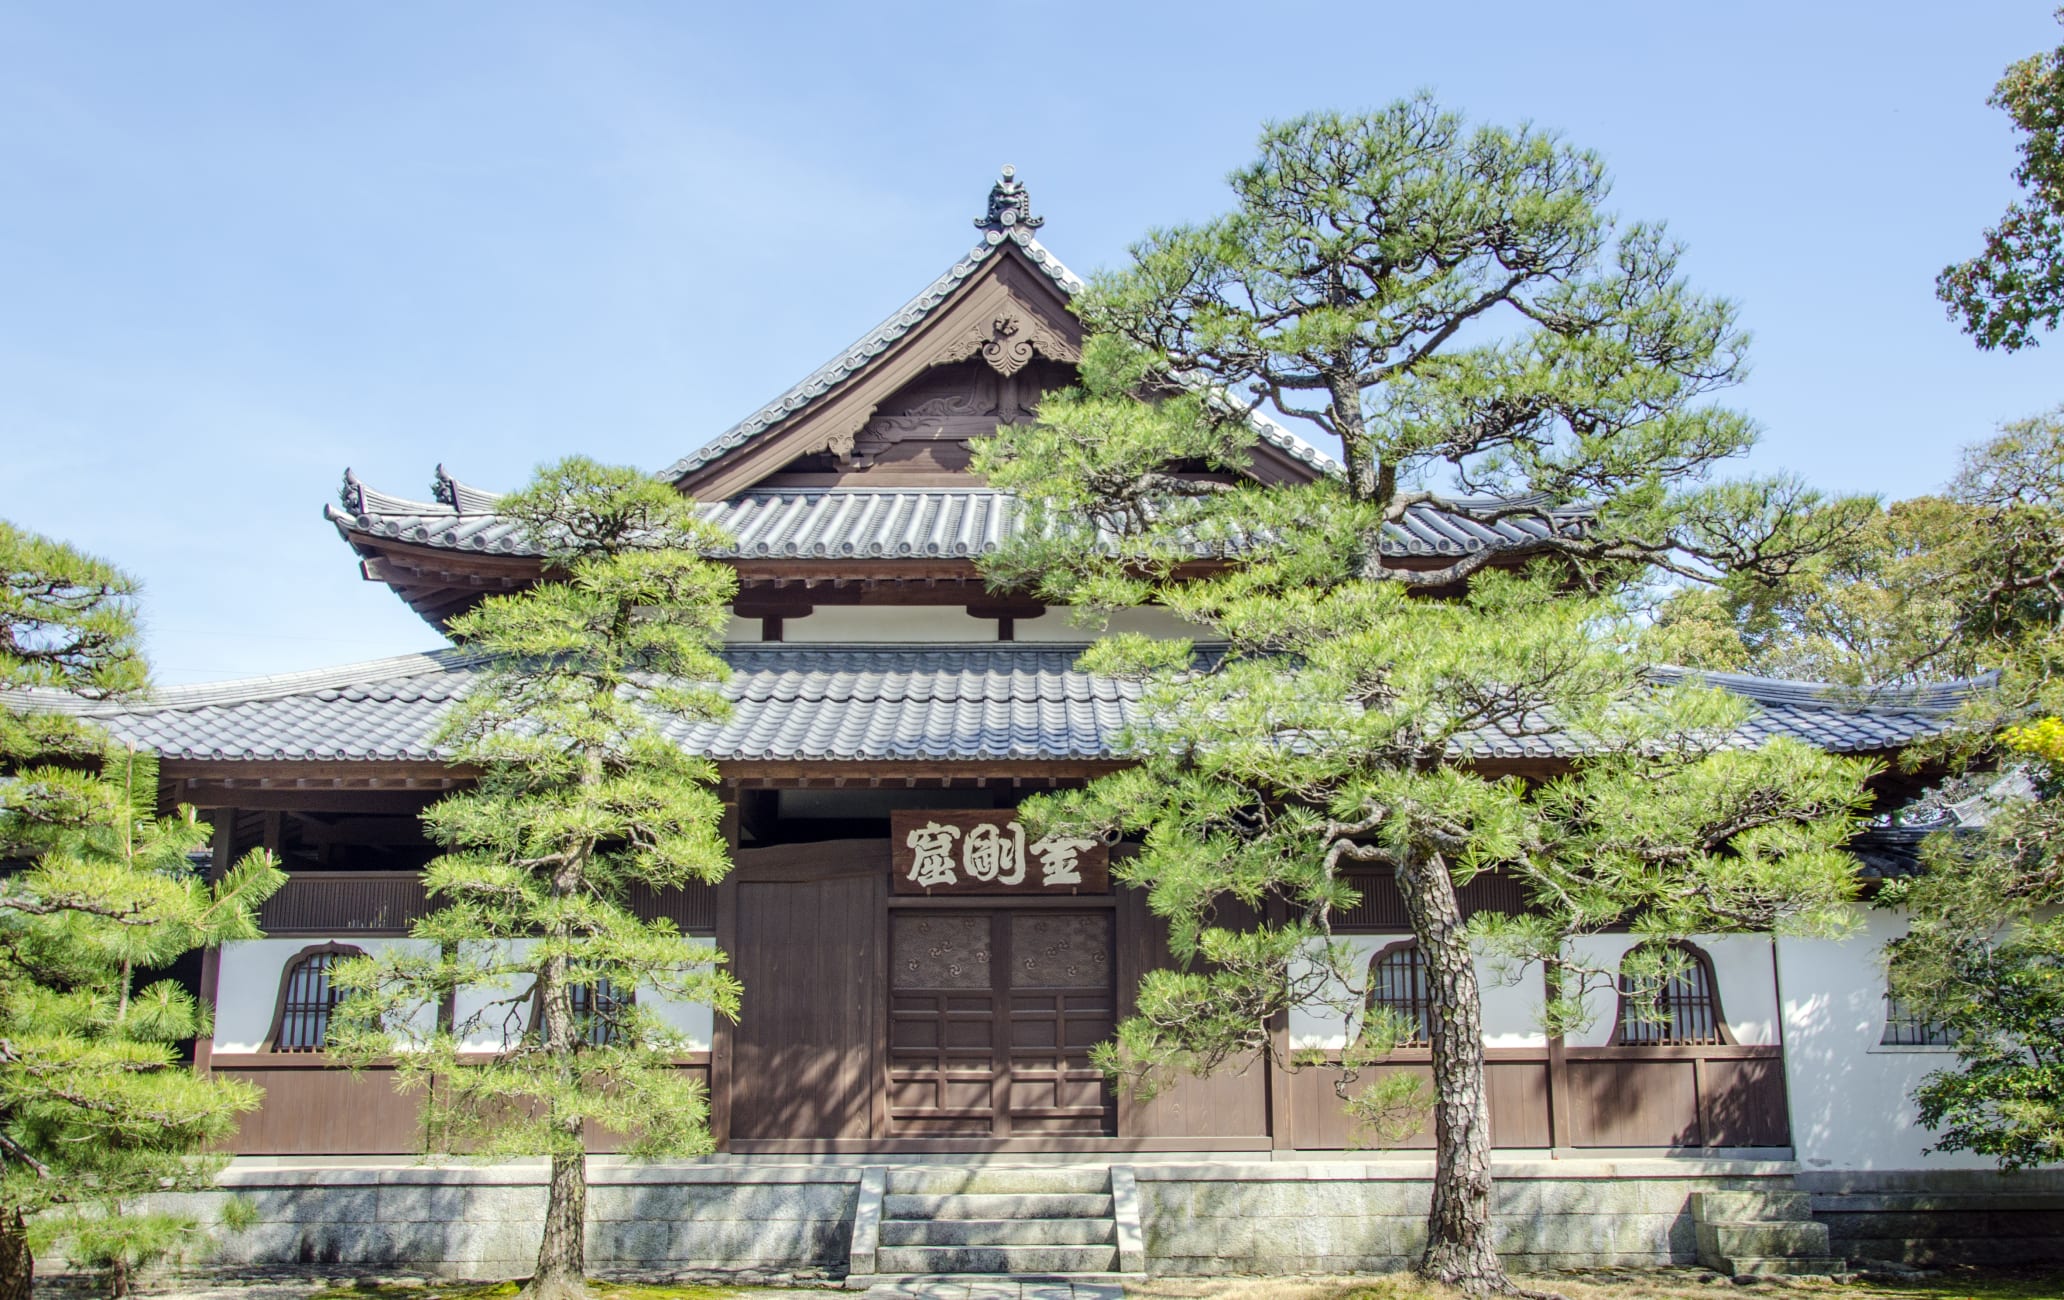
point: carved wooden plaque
(989, 853)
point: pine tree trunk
(1458, 1229)
(562, 1255)
(17, 1265)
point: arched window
(1397, 984)
(1908, 1026)
(301, 1019)
(1685, 1011)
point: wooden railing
(389, 902)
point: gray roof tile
(875, 524)
(841, 703)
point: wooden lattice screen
(1908, 1026)
(1397, 984)
(1684, 1013)
(306, 1000)
(595, 1011)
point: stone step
(997, 1259)
(949, 1180)
(1762, 1239)
(1752, 1207)
(1783, 1265)
(997, 1205)
(998, 1232)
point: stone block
(1613, 1197)
(314, 1204)
(625, 1242)
(720, 1243)
(460, 1241)
(1232, 1238)
(417, 1203)
(303, 1245)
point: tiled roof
(864, 523)
(837, 703)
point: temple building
(922, 985)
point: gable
(1004, 308)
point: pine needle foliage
(98, 1104)
(581, 797)
(1455, 307)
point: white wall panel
(1852, 1099)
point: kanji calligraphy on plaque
(962, 852)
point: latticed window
(1685, 1010)
(1397, 984)
(597, 1011)
(307, 997)
(1908, 1026)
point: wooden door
(804, 1054)
(991, 1018)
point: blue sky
(242, 247)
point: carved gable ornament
(1008, 341)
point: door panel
(992, 1015)
(808, 1025)
(1061, 1005)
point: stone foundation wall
(1198, 1218)
(1352, 1218)
(485, 1222)
(1942, 1216)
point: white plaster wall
(247, 993)
(1741, 968)
(476, 999)
(1602, 951)
(693, 1020)
(742, 630)
(248, 988)
(1852, 1099)
(1056, 625)
(876, 623)
(1511, 1012)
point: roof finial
(352, 495)
(1009, 206)
(445, 488)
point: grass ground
(1626, 1284)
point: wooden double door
(992, 1015)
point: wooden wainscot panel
(310, 1109)
(1515, 1084)
(1634, 1103)
(961, 852)
(1744, 1102)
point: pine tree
(97, 1105)
(1453, 306)
(580, 798)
